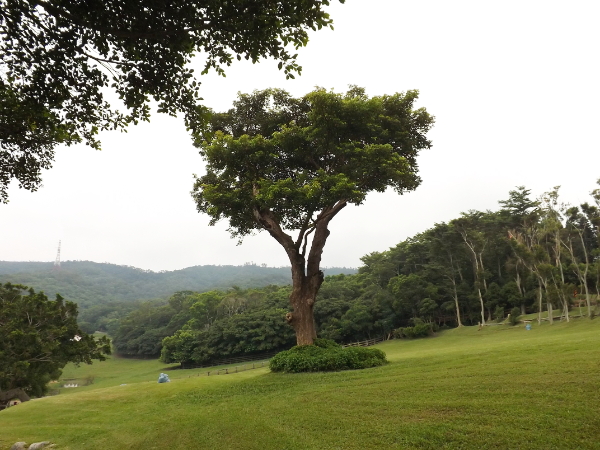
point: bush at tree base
(326, 356)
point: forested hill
(88, 283)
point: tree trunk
(302, 318)
(456, 303)
(454, 290)
(540, 305)
(302, 299)
(582, 276)
(307, 276)
(564, 301)
(477, 273)
(587, 296)
(518, 282)
(482, 271)
(482, 306)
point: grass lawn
(498, 388)
(116, 371)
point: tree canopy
(38, 337)
(288, 165)
(57, 58)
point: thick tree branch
(301, 234)
(306, 240)
(266, 219)
(320, 237)
(109, 61)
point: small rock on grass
(34, 446)
(40, 445)
(19, 446)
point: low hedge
(326, 356)
(419, 330)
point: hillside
(498, 388)
(88, 283)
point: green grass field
(498, 388)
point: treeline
(92, 284)
(532, 254)
(220, 323)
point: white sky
(514, 86)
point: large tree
(38, 337)
(289, 166)
(58, 58)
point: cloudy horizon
(513, 87)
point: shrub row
(421, 329)
(325, 356)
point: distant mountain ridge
(88, 283)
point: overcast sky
(514, 87)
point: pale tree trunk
(582, 276)
(456, 304)
(542, 283)
(540, 304)
(588, 302)
(596, 267)
(561, 292)
(455, 295)
(482, 306)
(543, 286)
(482, 271)
(475, 259)
(563, 298)
(455, 292)
(518, 282)
(598, 281)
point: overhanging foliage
(57, 58)
(38, 337)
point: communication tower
(57, 260)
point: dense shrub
(419, 330)
(499, 314)
(515, 313)
(325, 356)
(326, 343)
